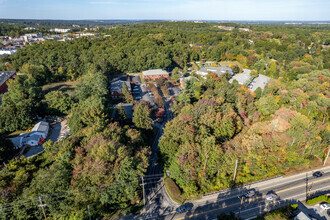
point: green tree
(267, 105)
(127, 94)
(141, 116)
(175, 74)
(258, 92)
(58, 103)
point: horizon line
(149, 19)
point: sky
(294, 10)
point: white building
(7, 52)
(41, 129)
(60, 30)
(38, 133)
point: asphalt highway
(288, 190)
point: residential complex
(155, 74)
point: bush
(318, 199)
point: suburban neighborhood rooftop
(5, 75)
(155, 72)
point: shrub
(318, 199)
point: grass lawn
(173, 191)
(60, 86)
(15, 133)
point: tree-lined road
(289, 189)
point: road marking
(193, 215)
(284, 190)
(272, 186)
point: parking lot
(141, 92)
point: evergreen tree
(141, 117)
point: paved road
(158, 202)
(289, 190)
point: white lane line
(284, 199)
(272, 186)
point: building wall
(3, 88)
(115, 95)
(32, 143)
(37, 133)
(153, 77)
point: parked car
(325, 205)
(317, 174)
(270, 196)
(184, 208)
(250, 193)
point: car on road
(184, 208)
(270, 196)
(317, 174)
(250, 193)
(325, 205)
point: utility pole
(42, 207)
(239, 213)
(89, 213)
(306, 186)
(326, 157)
(235, 171)
(144, 195)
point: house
(40, 129)
(128, 107)
(116, 86)
(7, 51)
(155, 74)
(4, 77)
(60, 30)
(302, 216)
(37, 136)
(244, 29)
(226, 28)
(220, 70)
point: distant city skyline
(289, 10)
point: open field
(60, 86)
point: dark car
(184, 208)
(250, 193)
(317, 174)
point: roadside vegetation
(319, 199)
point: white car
(325, 205)
(270, 196)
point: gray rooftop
(220, 70)
(42, 126)
(116, 86)
(154, 72)
(241, 78)
(128, 107)
(5, 75)
(261, 81)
